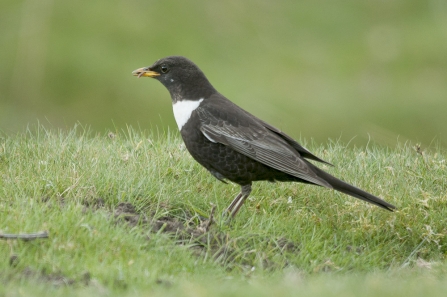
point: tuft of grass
(126, 211)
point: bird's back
(222, 160)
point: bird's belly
(227, 162)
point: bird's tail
(346, 188)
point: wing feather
(258, 143)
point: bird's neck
(201, 88)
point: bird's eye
(164, 69)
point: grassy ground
(127, 214)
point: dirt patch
(203, 239)
(94, 203)
(200, 235)
(125, 212)
(56, 279)
(287, 246)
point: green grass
(287, 239)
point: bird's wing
(250, 138)
(301, 149)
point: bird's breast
(183, 110)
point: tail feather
(346, 188)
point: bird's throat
(183, 110)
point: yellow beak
(144, 72)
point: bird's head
(182, 78)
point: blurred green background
(349, 70)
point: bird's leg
(245, 192)
(232, 204)
(236, 204)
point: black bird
(234, 144)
